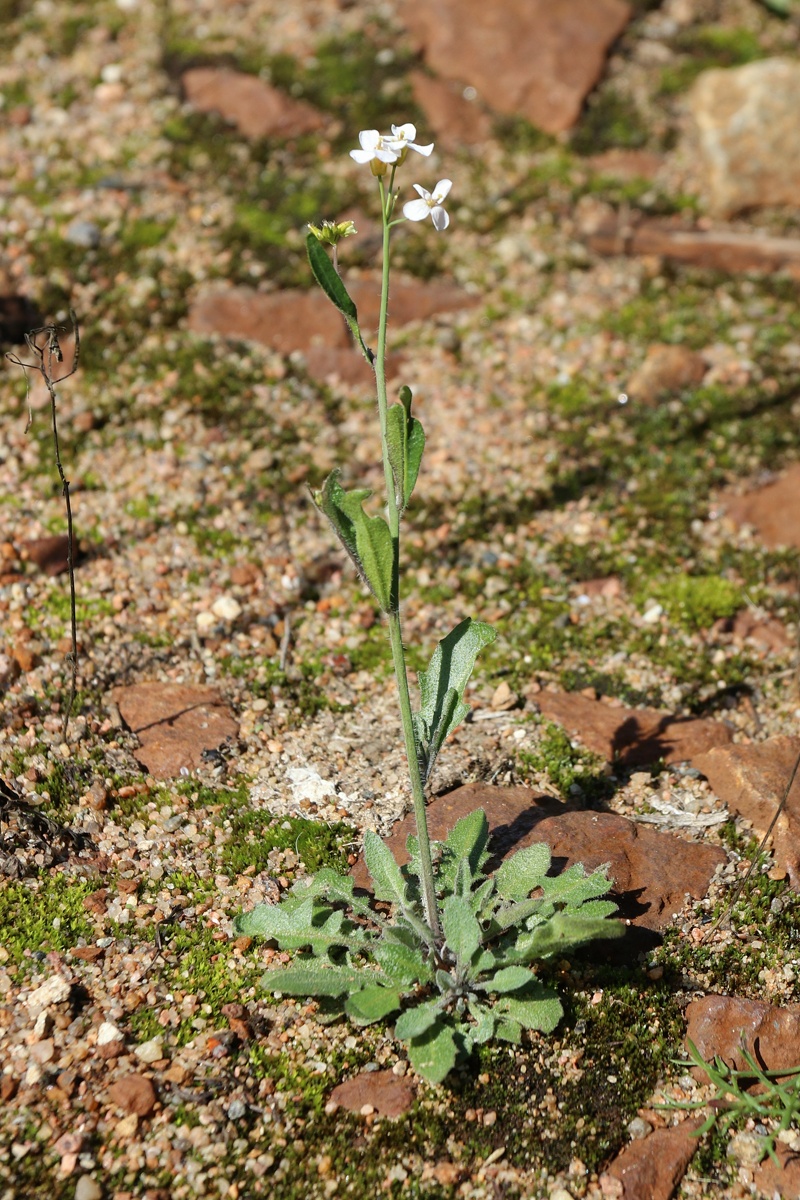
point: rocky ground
(604, 349)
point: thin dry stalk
(44, 346)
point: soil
(588, 524)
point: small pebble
(150, 1052)
(82, 233)
(226, 608)
(88, 1188)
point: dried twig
(44, 346)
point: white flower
(430, 205)
(376, 150)
(402, 139)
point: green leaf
(483, 1029)
(404, 966)
(573, 886)
(560, 934)
(442, 687)
(366, 539)
(462, 933)
(314, 979)
(331, 283)
(294, 926)
(383, 869)
(433, 1055)
(539, 1009)
(372, 1004)
(415, 1021)
(519, 875)
(405, 439)
(463, 855)
(509, 1031)
(509, 979)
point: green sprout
(777, 1100)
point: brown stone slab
(532, 58)
(652, 871)
(718, 249)
(719, 1024)
(174, 723)
(257, 109)
(752, 780)
(773, 510)
(651, 1168)
(383, 1092)
(632, 736)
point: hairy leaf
(519, 875)
(508, 1030)
(404, 966)
(405, 439)
(539, 1009)
(461, 930)
(415, 1021)
(574, 886)
(383, 868)
(299, 925)
(366, 539)
(464, 850)
(442, 687)
(314, 979)
(484, 1018)
(372, 1004)
(433, 1055)
(561, 934)
(509, 979)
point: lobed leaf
(404, 966)
(539, 1009)
(294, 926)
(384, 870)
(314, 979)
(573, 886)
(519, 875)
(559, 935)
(414, 1022)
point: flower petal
(439, 217)
(369, 138)
(407, 132)
(442, 188)
(425, 195)
(425, 150)
(361, 156)
(416, 210)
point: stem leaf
(331, 283)
(372, 1004)
(433, 1055)
(366, 539)
(405, 439)
(442, 688)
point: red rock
(651, 1168)
(718, 1024)
(135, 1094)
(666, 369)
(389, 1094)
(174, 723)
(783, 1181)
(771, 510)
(609, 587)
(747, 626)
(532, 58)
(652, 870)
(8, 1088)
(626, 164)
(306, 321)
(48, 553)
(752, 780)
(632, 736)
(257, 109)
(88, 953)
(451, 118)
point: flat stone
(752, 780)
(54, 990)
(771, 510)
(632, 736)
(719, 1024)
(174, 723)
(49, 554)
(783, 1180)
(532, 58)
(666, 368)
(626, 164)
(306, 321)
(257, 109)
(451, 118)
(386, 1093)
(764, 632)
(134, 1094)
(748, 135)
(652, 871)
(653, 1167)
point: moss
(566, 766)
(611, 119)
(42, 915)
(706, 47)
(696, 601)
(254, 835)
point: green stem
(395, 632)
